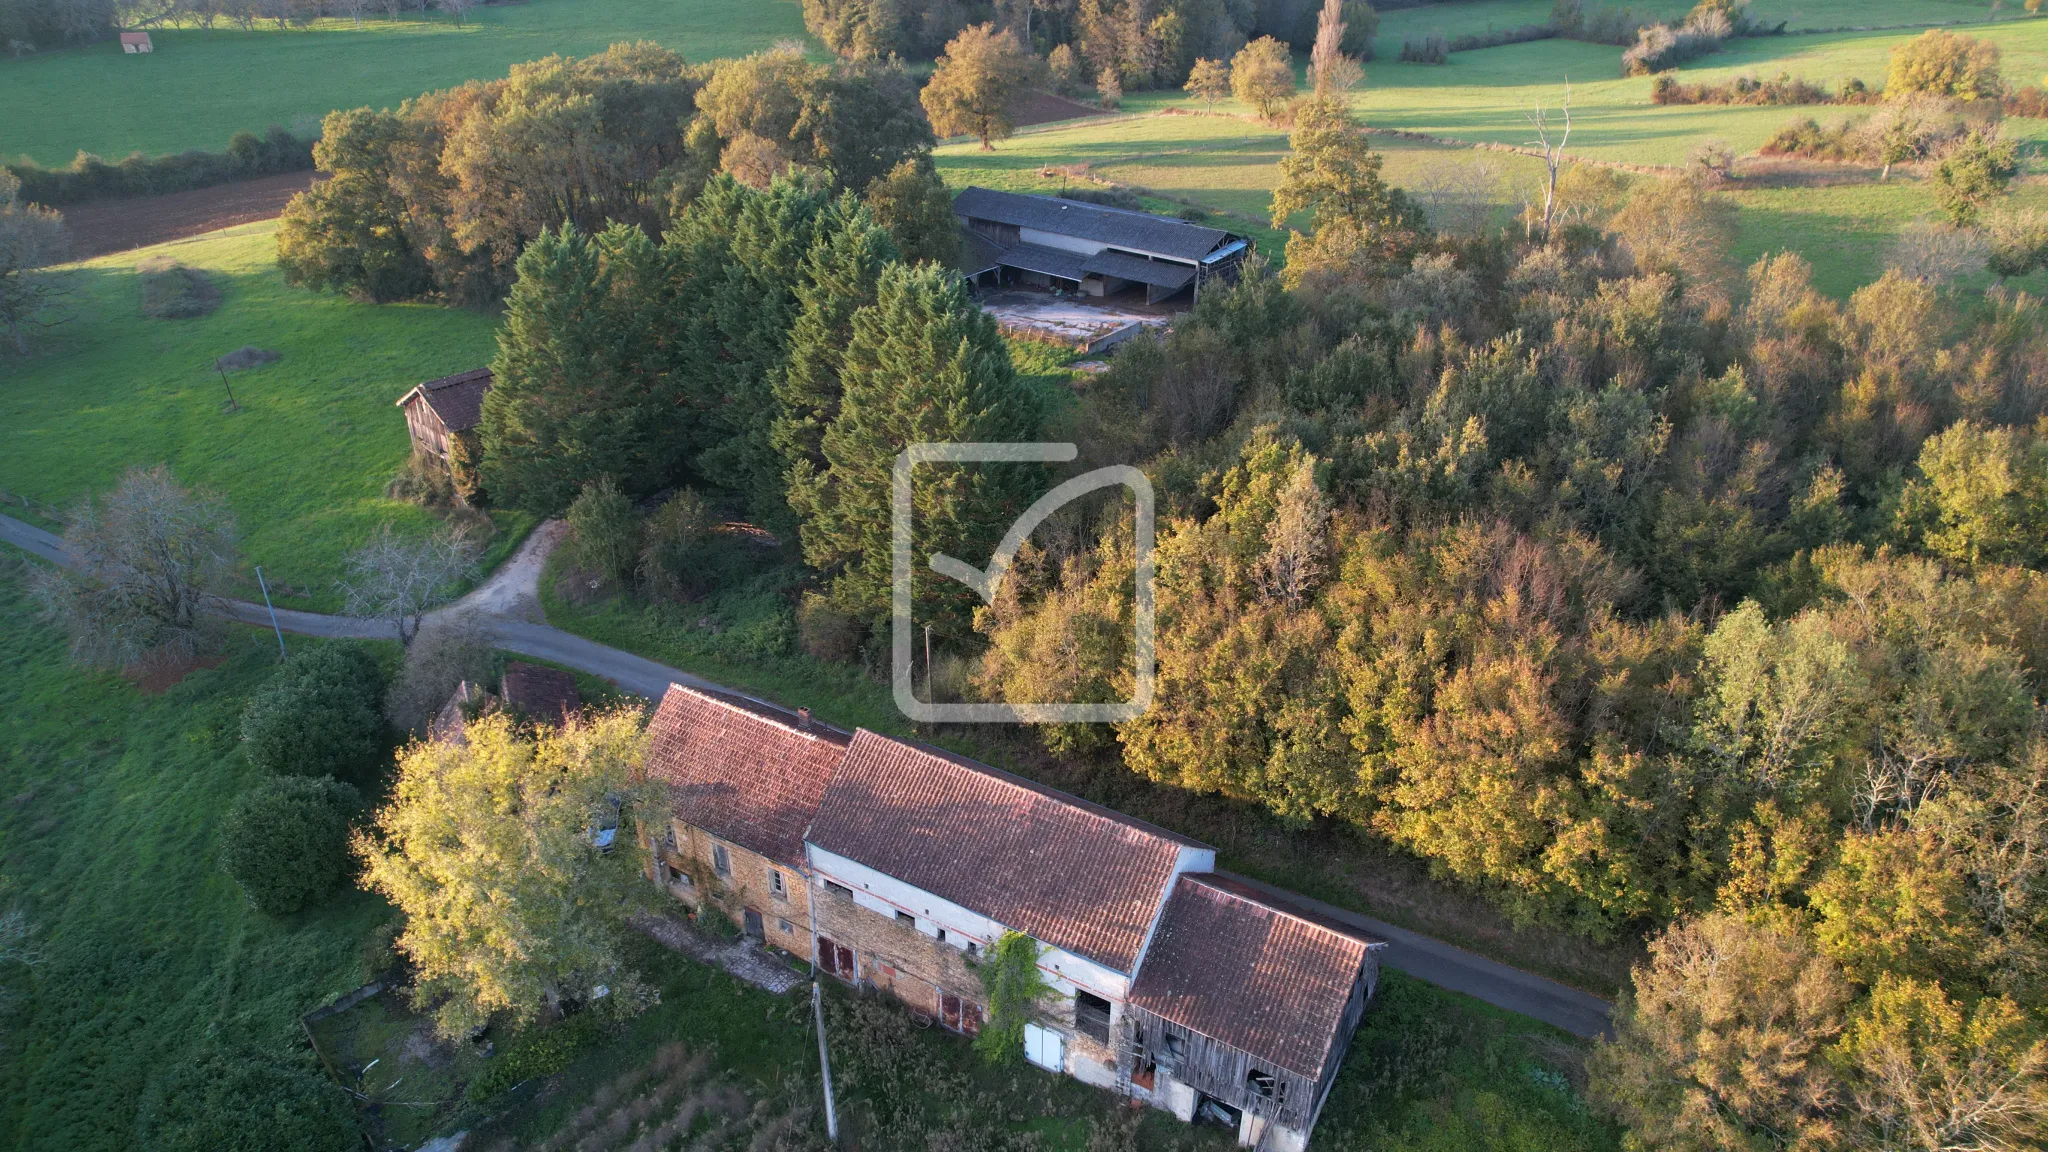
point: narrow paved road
(1449, 966)
(507, 605)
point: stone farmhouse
(893, 866)
(1091, 249)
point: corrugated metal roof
(1252, 973)
(1038, 258)
(1067, 872)
(1154, 272)
(1138, 231)
(742, 770)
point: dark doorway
(754, 930)
(1215, 1113)
(836, 959)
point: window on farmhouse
(907, 919)
(838, 889)
(784, 928)
(721, 861)
(776, 885)
(1176, 1051)
(678, 876)
(1091, 1016)
(1265, 1084)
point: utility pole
(824, 1060)
(929, 690)
(232, 406)
(272, 609)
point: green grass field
(107, 839)
(303, 463)
(200, 87)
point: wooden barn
(439, 410)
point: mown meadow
(304, 457)
(201, 86)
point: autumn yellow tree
(1209, 81)
(1262, 75)
(1722, 1043)
(493, 850)
(971, 88)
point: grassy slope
(303, 464)
(108, 839)
(199, 87)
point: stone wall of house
(686, 866)
(908, 961)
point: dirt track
(118, 225)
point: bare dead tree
(402, 578)
(1553, 152)
(147, 563)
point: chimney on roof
(803, 719)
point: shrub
(1942, 63)
(1431, 49)
(607, 532)
(2030, 102)
(286, 841)
(672, 556)
(2018, 242)
(318, 715)
(1659, 46)
(238, 1101)
(423, 480)
(1747, 90)
(89, 178)
(540, 1052)
(172, 291)
(827, 633)
(1973, 173)
(1712, 160)
(1806, 137)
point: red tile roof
(1251, 972)
(545, 694)
(1070, 873)
(742, 770)
(458, 400)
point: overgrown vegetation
(147, 948)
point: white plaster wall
(887, 895)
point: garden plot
(405, 1081)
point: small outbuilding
(134, 43)
(438, 411)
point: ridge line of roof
(1090, 204)
(1045, 791)
(1262, 900)
(817, 731)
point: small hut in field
(439, 411)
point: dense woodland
(1650, 596)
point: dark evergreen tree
(585, 380)
(924, 364)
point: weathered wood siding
(428, 433)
